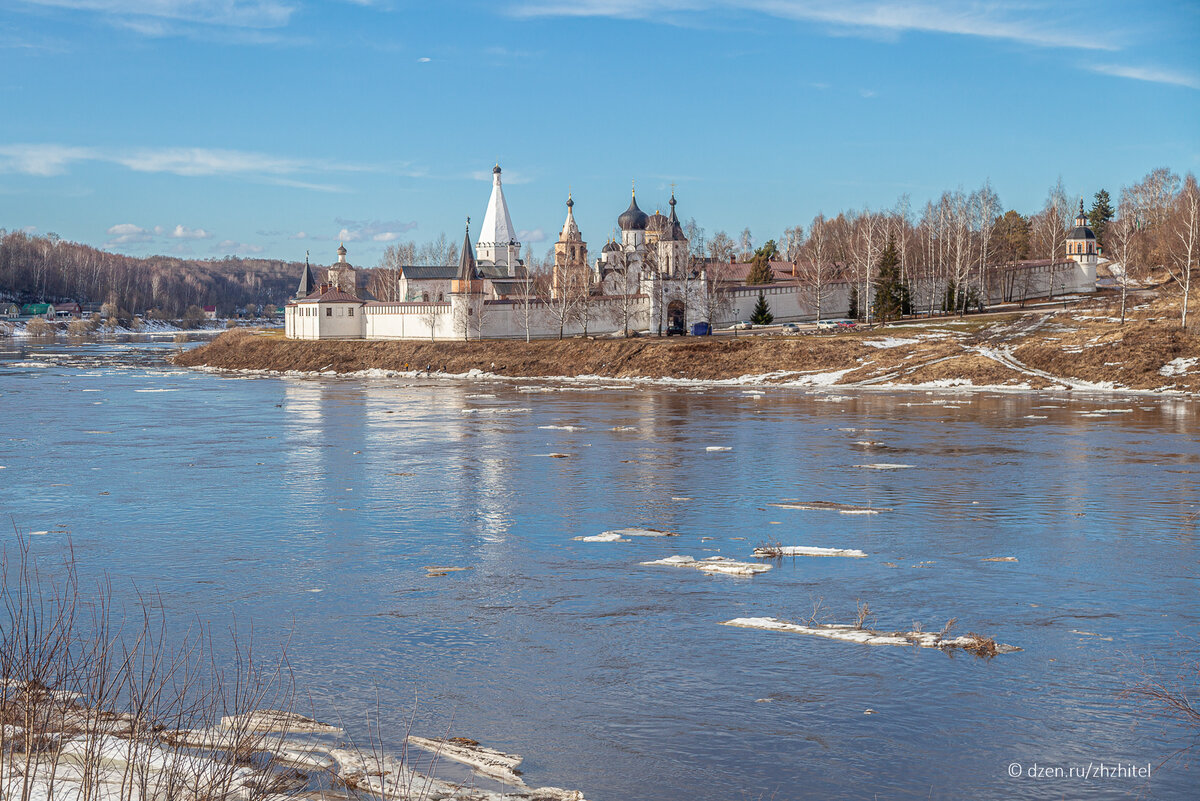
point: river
(308, 508)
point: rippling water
(309, 508)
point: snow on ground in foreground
(1179, 366)
(808, 550)
(890, 342)
(849, 633)
(713, 564)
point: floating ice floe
(641, 532)
(884, 466)
(562, 428)
(497, 410)
(1035, 417)
(559, 455)
(1000, 559)
(849, 633)
(607, 536)
(496, 764)
(623, 428)
(275, 720)
(441, 570)
(713, 564)
(156, 390)
(717, 448)
(772, 551)
(829, 506)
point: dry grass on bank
(1082, 342)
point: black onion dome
(496, 170)
(1081, 232)
(610, 247)
(633, 219)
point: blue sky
(210, 127)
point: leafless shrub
(916, 627)
(37, 327)
(980, 645)
(862, 613)
(1173, 698)
(818, 611)
(769, 550)
(948, 627)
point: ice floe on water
(607, 536)
(27, 364)
(561, 428)
(830, 506)
(623, 428)
(641, 532)
(775, 551)
(489, 761)
(497, 410)
(884, 466)
(999, 559)
(974, 643)
(712, 564)
(718, 448)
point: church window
(350, 312)
(328, 311)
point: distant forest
(47, 268)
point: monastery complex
(642, 281)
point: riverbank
(1082, 347)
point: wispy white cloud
(1150, 74)
(536, 235)
(226, 13)
(372, 230)
(41, 160)
(52, 159)
(424, 60)
(1023, 23)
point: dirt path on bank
(1081, 347)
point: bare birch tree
(1186, 228)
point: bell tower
(570, 254)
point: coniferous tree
(760, 271)
(853, 312)
(1100, 214)
(890, 291)
(762, 312)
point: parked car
(847, 324)
(790, 328)
(676, 329)
(826, 325)
(742, 326)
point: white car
(742, 326)
(824, 325)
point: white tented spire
(497, 236)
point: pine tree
(853, 312)
(762, 312)
(890, 292)
(1099, 216)
(760, 271)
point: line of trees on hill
(963, 242)
(47, 268)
